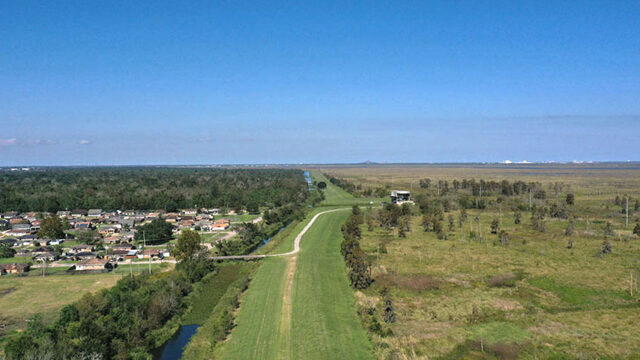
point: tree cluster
(355, 258)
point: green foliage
(636, 229)
(250, 236)
(608, 229)
(51, 228)
(6, 251)
(389, 310)
(322, 185)
(144, 188)
(188, 245)
(356, 260)
(495, 225)
(571, 199)
(157, 231)
(90, 237)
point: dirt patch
(7, 291)
(417, 283)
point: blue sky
(89, 82)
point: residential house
(185, 224)
(45, 256)
(63, 214)
(20, 233)
(82, 225)
(85, 255)
(94, 265)
(109, 230)
(205, 225)
(80, 248)
(14, 268)
(116, 254)
(79, 213)
(151, 253)
(55, 242)
(113, 239)
(94, 212)
(189, 212)
(221, 224)
(9, 214)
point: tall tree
(188, 245)
(51, 228)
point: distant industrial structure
(400, 197)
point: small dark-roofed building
(94, 212)
(79, 212)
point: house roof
(93, 262)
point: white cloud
(83, 142)
(8, 142)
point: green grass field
(324, 323)
(301, 307)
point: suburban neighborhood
(112, 236)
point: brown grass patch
(502, 280)
(417, 283)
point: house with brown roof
(93, 265)
(221, 224)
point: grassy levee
(258, 320)
(336, 196)
(301, 306)
(324, 323)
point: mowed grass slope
(258, 329)
(324, 321)
(301, 307)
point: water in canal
(173, 349)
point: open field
(537, 295)
(22, 297)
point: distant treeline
(141, 188)
(442, 187)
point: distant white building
(400, 197)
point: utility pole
(626, 222)
(144, 239)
